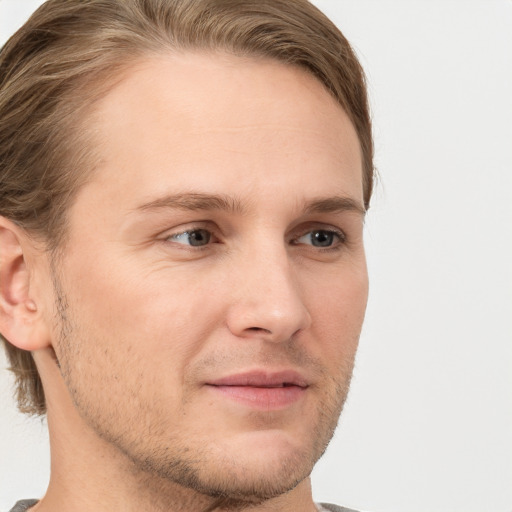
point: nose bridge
(268, 302)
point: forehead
(201, 120)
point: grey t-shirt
(24, 505)
(329, 507)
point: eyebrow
(199, 201)
(195, 201)
(335, 204)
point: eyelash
(340, 235)
(337, 245)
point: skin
(258, 162)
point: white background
(428, 426)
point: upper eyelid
(207, 225)
(189, 230)
(295, 232)
(342, 238)
(193, 226)
(339, 233)
(321, 227)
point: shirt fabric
(24, 505)
(329, 507)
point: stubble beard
(229, 485)
(166, 468)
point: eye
(321, 238)
(192, 237)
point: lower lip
(262, 398)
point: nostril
(259, 329)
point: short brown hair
(70, 51)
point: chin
(244, 468)
(255, 478)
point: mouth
(261, 389)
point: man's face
(213, 286)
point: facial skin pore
(216, 253)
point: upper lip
(262, 379)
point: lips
(262, 389)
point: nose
(267, 302)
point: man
(182, 271)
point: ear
(21, 319)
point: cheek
(338, 310)
(160, 315)
(133, 335)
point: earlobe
(21, 322)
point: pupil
(199, 237)
(322, 238)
